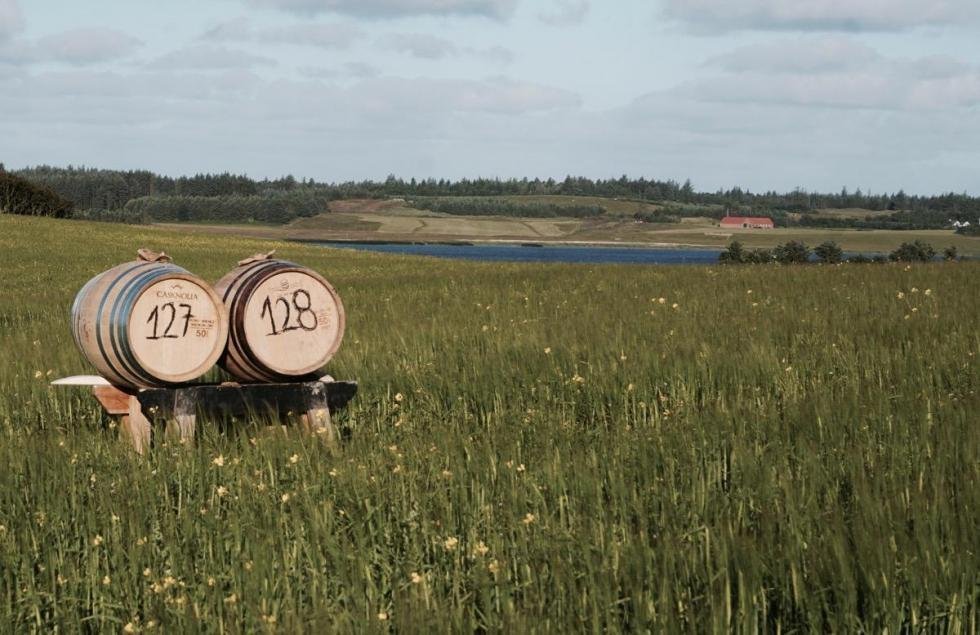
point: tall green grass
(534, 448)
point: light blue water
(521, 253)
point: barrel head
(177, 329)
(293, 322)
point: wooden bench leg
(184, 422)
(316, 420)
(135, 429)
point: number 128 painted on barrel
(285, 320)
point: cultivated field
(534, 448)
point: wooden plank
(216, 400)
(113, 400)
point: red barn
(747, 222)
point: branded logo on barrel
(176, 291)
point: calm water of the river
(522, 253)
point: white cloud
(433, 47)
(325, 36)
(497, 54)
(78, 47)
(239, 28)
(87, 45)
(11, 20)
(565, 13)
(825, 15)
(806, 55)
(497, 9)
(208, 57)
(837, 73)
(422, 45)
(430, 97)
(361, 69)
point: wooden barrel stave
(111, 317)
(259, 351)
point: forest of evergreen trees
(487, 206)
(140, 195)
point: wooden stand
(141, 411)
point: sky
(877, 95)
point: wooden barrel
(149, 323)
(284, 320)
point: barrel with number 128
(285, 320)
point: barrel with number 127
(149, 323)
(284, 320)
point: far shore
(410, 229)
(510, 241)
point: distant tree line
(89, 188)
(21, 196)
(485, 206)
(271, 206)
(905, 219)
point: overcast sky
(767, 94)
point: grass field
(533, 448)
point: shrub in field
(20, 196)
(793, 252)
(829, 252)
(734, 254)
(915, 251)
(760, 257)
(970, 230)
(950, 254)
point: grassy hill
(557, 447)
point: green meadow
(534, 448)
